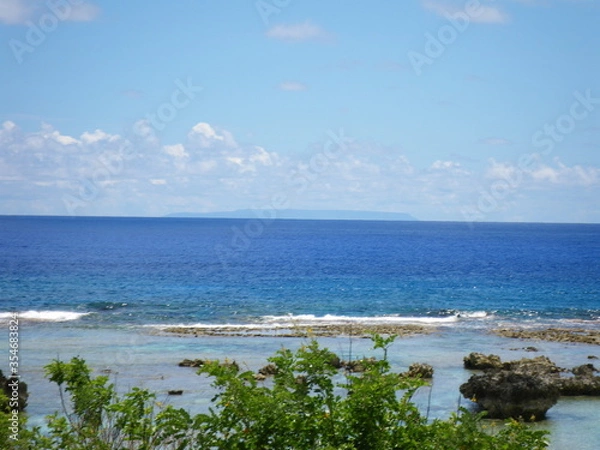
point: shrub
(307, 405)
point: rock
(506, 394)
(268, 370)
(540, 365)
(419, 370)
(479, 361)
(192, 363)
(336, 362)
(175, 392)
(582, 383)
(527, 387)
(531, 349)
(553, 334)
(577, 386)
(201, 362)
(259, 377)
(592, 357)
(358, 365)
(585, 370)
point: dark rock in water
(579, 385)
(554, 335)
(585, 370)
(192, 363)
(336, 362)
(540, 365)
(592, 357)
(175, 392)
(505, 394)
(268, 370)
(419, 370)
(358, 365)
(479, 361)
(525, 388)
(201, 362)
(531, 349)
(13, 389)
(583, 383)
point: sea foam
(43, 316)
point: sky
(466, 110)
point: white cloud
(19, 12)
(15, 11)
(83, 12)
(97, 136)
(145, 132)
(482, 14)
(292, 86)
(539, 174)
(251, 160)
(7, 132)
(49, 134)
(490, 14)
(263, 157)
(444, 165)
(177, 151)
(297, 32)
(206, 136)
(565, 175)
(8, 125)
(211, 171)
(501, 170)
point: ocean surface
(138, 271)
(100, 287)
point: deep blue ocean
(102, 272)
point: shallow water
(136, 357)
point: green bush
(307, 405)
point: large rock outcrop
(504, 394)
(526, 388)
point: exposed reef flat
(321, 330)
(578, 335)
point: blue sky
(443, 109)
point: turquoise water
(137, 358)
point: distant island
(299, 214)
